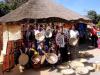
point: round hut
(34, 11)
(42, 11)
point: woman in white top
(74, 33)
(73, 42)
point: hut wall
(1, 37)
(10, 32)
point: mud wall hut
(34, 9)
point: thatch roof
(38, 9)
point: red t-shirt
(93, 31)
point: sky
(80, 6)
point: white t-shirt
(36, 31)
(43, 32)
(74, 33)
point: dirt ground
(15, 71)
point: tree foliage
(4, 8)
(98, 18)
(98, 25)
(93, 16)
(8, 5)
(15, 3)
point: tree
(4, 8)
(92, 15)
(98, 25)
(8, 5)
(98, 18)
(15, 3)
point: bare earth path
(15, 71)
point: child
(32, 52)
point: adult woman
(60, 41)
(73, 41)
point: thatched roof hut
(34, 10)
(37, 9)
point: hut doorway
(83, 34)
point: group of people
(38, 39)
